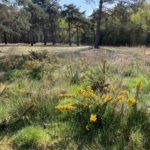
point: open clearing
(47, 94)
(17, 49)
(132, 50)
(25, 49)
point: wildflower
(107, 98)
(87, 127)
(131, 101)
(91, 94)
(88, 92)
(93, 118)
(66, 95)
(120, 97)
(88, 88)
(64, 107)
(139, 84)
(81, 91)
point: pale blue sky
(82, 4)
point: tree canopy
(30, 21)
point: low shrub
(38, 55)
(113, 113)
(31, 137)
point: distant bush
(12, 62)
(38, 55)
(32, 137)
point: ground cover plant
(70, 102)
(74, 76)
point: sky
(82, 5)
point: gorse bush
(111, 113)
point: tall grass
(87, 102)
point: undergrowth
(49, 102)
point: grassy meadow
(81, 100)
(24, 49)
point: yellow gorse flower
(131, 101)
(64, 107)
(66, 95)
(120, 97)
(80, 91)
(93, 118)
(107, 98)
(87, 92)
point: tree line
(31, 21)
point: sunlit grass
(37, 108)
(24, 49)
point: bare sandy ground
(25, 49)
(141, 50)
(105, 51)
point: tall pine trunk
(45, 38)
(53, 36)
(78, 36)
(69, 29)
(31, 37)
(45, 35)
(97, 36)
(5, 38)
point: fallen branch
(5, 123)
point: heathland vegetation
(94, 101)
(82, 98)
